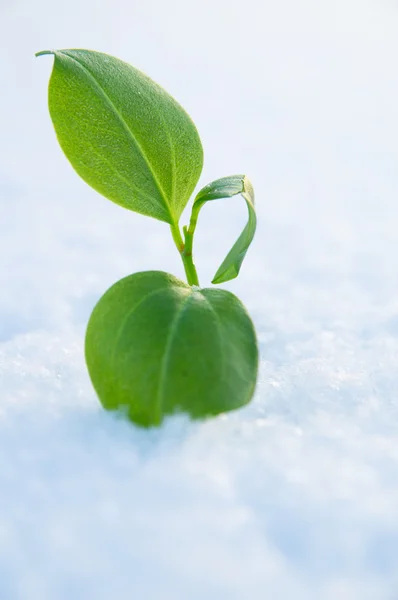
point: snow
(295, 496)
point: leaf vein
(166, 355)
(126, 318)
(126, 128)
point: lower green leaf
(156, 346)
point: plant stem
(185, 250)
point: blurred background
(297, 494)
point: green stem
(185, 250)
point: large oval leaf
(123, 134)
(156, 346)
(226, 187)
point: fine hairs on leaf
(154, 344)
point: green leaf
(226, 187)
(123, 134)
(156, 346)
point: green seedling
(154, 344)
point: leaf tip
(42, 52)
(224, 275)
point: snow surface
(295, 496)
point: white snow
(296, 496)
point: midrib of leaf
(134, 188)
(172, 152)
(125, 126)
(218, 322)
(166, 355)
(173, 168)
(223, 363)
(126, 318)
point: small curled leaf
(226, 187)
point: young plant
(154, 344)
